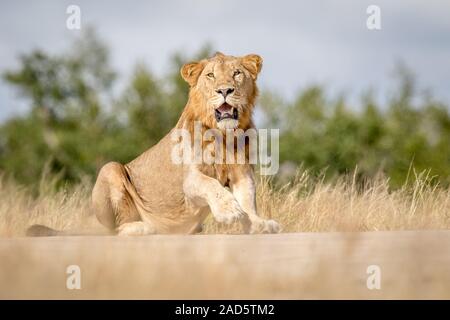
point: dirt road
(409, 264)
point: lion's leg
(137, 228)
(112, 203)
(204, 190)
(244, 190)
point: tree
(77, 122)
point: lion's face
(223, 89)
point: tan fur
(151, 194)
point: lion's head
(222, 90)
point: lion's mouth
(225, 111)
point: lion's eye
(237, 72)
(210, 75)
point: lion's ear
(253, 63)
(191, 71)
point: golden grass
(307, 204)
(291, 266)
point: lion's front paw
(265, 226)
(228, 211)
(138, 228)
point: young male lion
(152, 194)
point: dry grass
(63, 209)
(301, 265)
(305, 205)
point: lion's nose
(225, 91)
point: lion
(153, 195)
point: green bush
(77, 120)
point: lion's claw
(265, 226)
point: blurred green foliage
(77, 122)
(404, 137)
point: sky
(303, 43)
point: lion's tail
(39, 230)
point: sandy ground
(413, 264)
